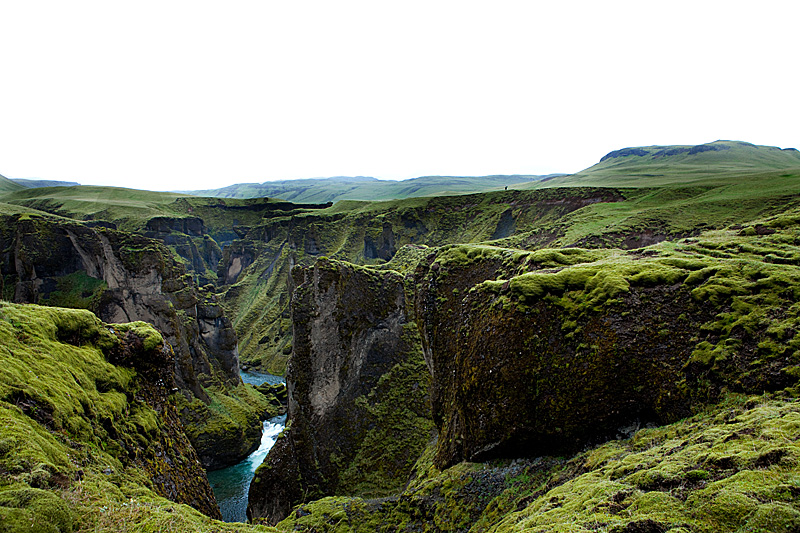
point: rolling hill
(8, 185)
(657, 166)
(363, 188)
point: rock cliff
(531, 355)
(88, 406)
(125, 277)
(358, 412)
(542, 353)
(254, 273)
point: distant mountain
(653, 166)
(35, 184)
(324, 190)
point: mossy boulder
(277, 395)
(30, 509)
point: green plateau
(611, 351)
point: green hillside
(657, 166)
(8, 185)
(131, 208)
(370, 189)
(107, 203)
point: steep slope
(656, 166)
(6, 185)
(124, 277)
(358, 392)
(254, 271)
(194, 229)
(86, 406)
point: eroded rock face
(170, 459)
(508, 382)
(358, 412)
(124, 277)
(522, 376)
(259, 263)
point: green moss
(230, 425)
(151, 337)
(74, 438)
(29, 509)
(401, 427)
(77, 291)
(718, 471)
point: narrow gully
(232, 484)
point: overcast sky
(186, 95)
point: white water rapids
(232, 484)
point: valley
(615, 350)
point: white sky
(187, 95)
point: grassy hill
(658, 166)
(8, 185)
(361, 188)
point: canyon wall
(358, 401)
(125, 277)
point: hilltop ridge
(655, 166)
(7, 185)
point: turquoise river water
(232, 484)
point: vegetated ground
(367, 189)
(732, 467)
(728, 232)
(85, 444)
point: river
(232, 484)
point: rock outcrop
(125, 277)
(255, 269)
(545, 361)
(358, 414)
(92, 400)
(530, 355)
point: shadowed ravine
(232, 484)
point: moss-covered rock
(647, 483)
(82, 400)
(358, 412)
(125, 277)
(547, 351)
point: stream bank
(232, 484)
